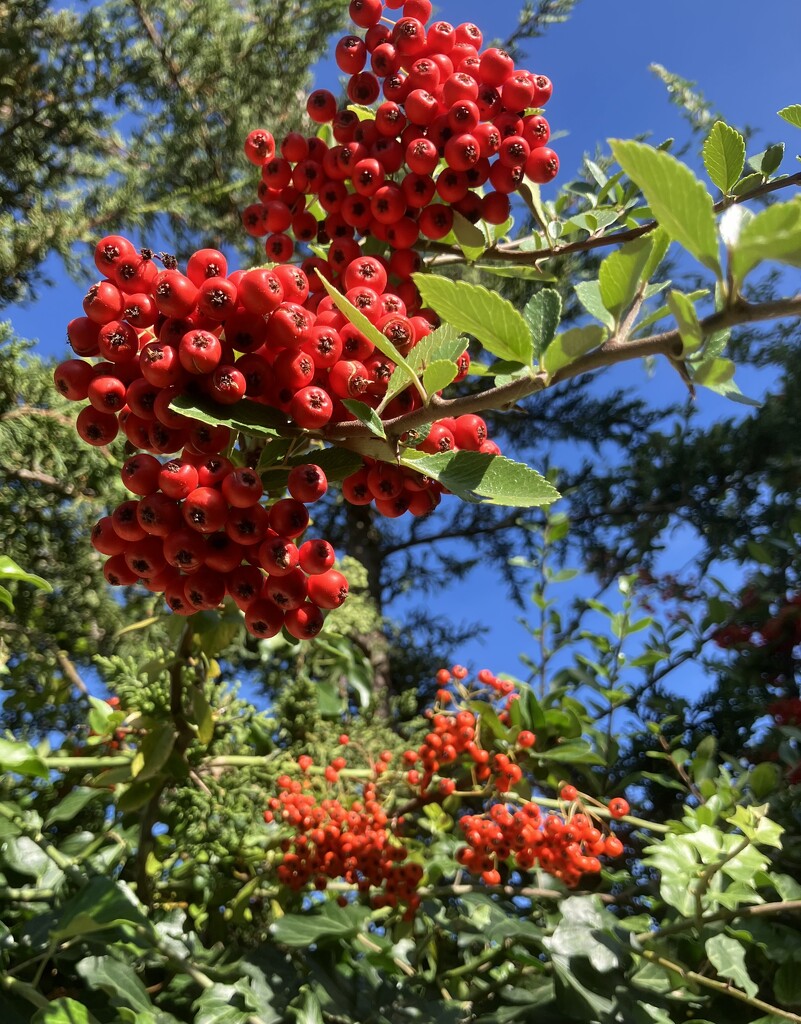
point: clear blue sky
(743, 56)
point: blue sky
(745, 61)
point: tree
(176, 853)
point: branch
(761, 909)
(667, 343)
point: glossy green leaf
(724, 156)
(246, 416)
(472, 240)
(488, 479)
(792, 114)
(542, 314)
(524, 273)
(589, 295)
(11, 572)
(566, 348)
(575, 934)
(621, 274)
(22, 759)
(677, 199)
(72, 804)
(773, 234)
(330, 924)
(153, 752)
(121, 983)
(337, 463)
(473, 309)
(100, 905)
(728, 958)
(682, 308)
(439, 375)
(365, 414)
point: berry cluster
(458, 129)
(356, 843)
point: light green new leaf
(152, 755)
(714, 371)
(566, 348)
(471, 239)
(438, 375)
(773, 234)
(660, 243)
(620, 275)
(728, 958)
(10, 571)
(724, 156)
(491, 479)
(310, 1012)
(471, 308)
(64, 1011)
(369, 417)
(518, 273)
(683, 310)
(22, 759)
(369, 330)
(443, 343)
(792, 114)
(678, 200)
(589, 295)
(542, 314)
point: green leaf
(330, 924)
(100, 905)
(202, 715)
(787, 985)
(337, 463)
(620, 275)
(10, 571)
(566, 348)
(6, 599)
(747, 184)
(439, 375)
(490, 479)
(768, 161)
(369, 330)
(589, 295)
(763, 779)
(152, 755)
(366, 415)
(724, 156)
(712, 373)
(792, 114)
(542, 314)
(472, 240)
(121, 982)
(773, 234)
(660, 245)
(249, 417)
(64, 1011)
(574, 935)
(310, 1010)
(683, 310)
(728, 959)
(443, 343)
(518, 273)
(473, 309)
(275, 449)
(72, 804)
(21, 758)
(222, 1004)
(677, 199)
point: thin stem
(759, 910)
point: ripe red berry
(618, 807)
(328, 590)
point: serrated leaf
(773, 234)
(439, 375)
(21, 759)
(473, 309)
(747, 184)
(792, 114)
(620, 274)
(589, 295)
(728, 959)
(569, 346)
(769, 160)
(518, 273)
(369, 330)
(724, 156)
(10, 571)
(366, 415)
(337, 463)
(692, 337)
(490, 479)
(274, 450)
(542, 314)
(246, 416)
(472, 240)
(677, 199)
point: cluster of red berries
(356, 843)
(453, 120)
(781, 630)
(566, 848)
(198, 532)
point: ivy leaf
(575, 934)
(439, 375)
(792, 114)
(100, 905)
(728, 959)
(121, 982)
(330, 924)
(620, 275)
(677, 199)
(249, 418)
(64, 1011)
(366, 415)
(491, 479)
(724, 156)
(683, 310)
(22, 759)
(569, 346)
(474, 310)
(589, 295)
(471, 239)
(773, 234)
(542, 314)
(310, 1011)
